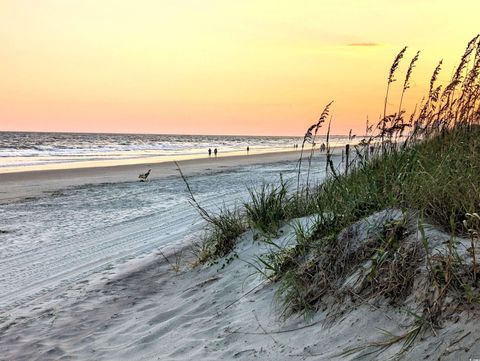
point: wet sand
(23, 184)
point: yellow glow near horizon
(217, 67)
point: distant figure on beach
(248, 149)
(209, 152)
(322, 147)
(215, 152)
(144, 176)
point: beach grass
(436, 179)
(223, 230)
(424, 168)
(431, 172)
(267, 207)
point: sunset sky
(217, 67)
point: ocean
(32, 149)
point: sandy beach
(162, 308)
(95, 265)
(153, 311)
(32, 183)
(59, 224)
(66, 233)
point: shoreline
(34, 183)
(115, 162)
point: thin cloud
(363, 44)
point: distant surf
(30, 149)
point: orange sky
(216, 67)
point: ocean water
(22, 149)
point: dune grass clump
(267, 207)
(394, 263)
(427, 162)
(437, 178)
(223, 231)
(321, 266)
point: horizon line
(171, 134)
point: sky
(259, 67)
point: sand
(15, 185)
(166, 310)
(67, 232)
(133, 291)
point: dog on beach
(143, 176)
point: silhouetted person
(209, 152)
(215, 152)
(248, 149)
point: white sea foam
(19, 149)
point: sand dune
(220, 312)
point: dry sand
(220, 312)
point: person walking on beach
(248, 149)
(215, 152)
(209, 152)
